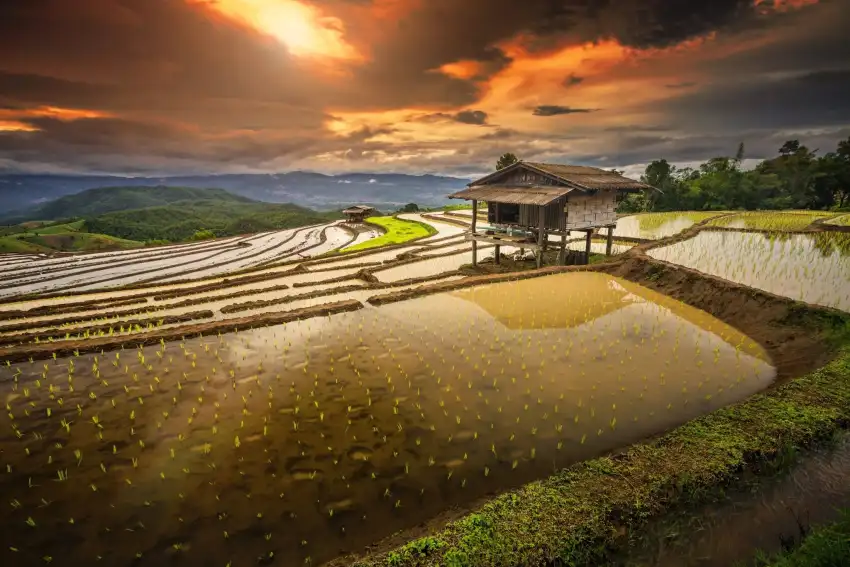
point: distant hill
(124, 217)
(313, 190)
(102, 200)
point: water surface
(325, 435)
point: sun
(301, 27)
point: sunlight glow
(301, 27)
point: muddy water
(431, 266)
(315, 437)
(808, 267)
(654, 226)
(722, 534)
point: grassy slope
(826, 546)
(397, 232)
(575, 515)
(44, 237)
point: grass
(79, 241)
(771, 220)
(651, 221)
(397, 231)
(825, 546)
(576, 516)
(18, 246)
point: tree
(409, 208)
(203, 234)
(789, 147)
(505, 160)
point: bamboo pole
(472, 232)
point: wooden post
(610, 241)
(562, 255)
(589, 232)
(472, 232)
(541, 234)
(498, 253)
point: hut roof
(580, 177)
(357, 209)
(537, 195)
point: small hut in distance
(527, 201)
(357, 213)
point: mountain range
(313, 190)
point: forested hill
(183, 219)
(102, 200)
(123, 217)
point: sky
(414, 86)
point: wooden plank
(610, 241)
(541, 235)
(562, 254)
(587, 247)
(472, 230)
(498, 253)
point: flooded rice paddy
(654, 226)
(296, 442)
(813, 267)
(771, 220)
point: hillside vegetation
(109, 218)
(102, 200)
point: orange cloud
(304, 30)
(462, 69)
(16, 126)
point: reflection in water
(722, 534)
(814, 268)
(324, 435)
(654, 226)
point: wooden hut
(526, 202)
(357, 213)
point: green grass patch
(825, 546)
(397, 231)
(578, 515)
(11, 244)
(78, 241)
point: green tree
(505, 160)
(409, 208)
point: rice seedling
(770, 220)
(808, 267)
(653, 226)
(289, 434)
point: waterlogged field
(296, 442)
(653, 226)
(771, 220)
(813, 267)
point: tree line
(797, 178)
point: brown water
(764, 518)
(814, 268)
(316, 437)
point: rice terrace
(389, 391)
(408, 283)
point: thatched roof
(537, 195)
(579, 177)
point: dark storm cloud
(816, 99)
(682, 85)
(556, 110)
(189, 89)
(473, 117)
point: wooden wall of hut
(556, 219)
(522, 177)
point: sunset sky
(413, 86)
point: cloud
(178, 85)
(572, 80)
(557, 110)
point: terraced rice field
(239, 434)
(294, 442)
(652, 226)
(814, 267)
(771, 220)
